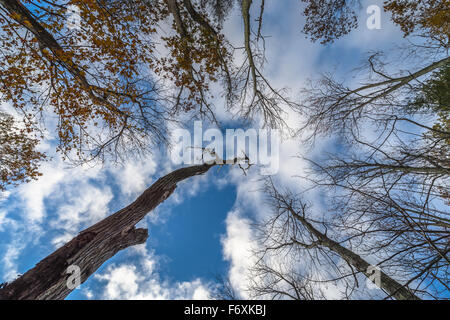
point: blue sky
(189, 240)
(203, 229)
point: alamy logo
(251, 146)
(74, 280)
(373, 280)
(374, 20)
(73, 21)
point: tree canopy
(114, 79)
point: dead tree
(331, 106)
(96, 244)
(395, 212)
(291, 232)
(387, 187)
(257, 96)
(280, 279)
(248, 91)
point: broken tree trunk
(96, 244)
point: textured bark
(96, 244)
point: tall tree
(50, 278)
(327, 20)
(96, 244)
(389, 185)
(308, 255)
(105, 79)
(89, 76)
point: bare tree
(388, 185)
(331, 106)
(257, 96)
(49, 279)
(224, 290)
(96, 244)
(395, 211)
(248, 92)
(299, 253)
(328, 20)
(280, 280)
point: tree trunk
(96, 244)
(386, 283)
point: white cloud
(141, 281)
(9, 260)
(33, 193)
(5, 222)
(84, 206)
(237, 249)
(135, 176)
(366, 39)
(121, 282)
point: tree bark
(96, 244)
(391, 286)
(172, 5)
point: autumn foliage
(19, 160)
(107, 86)
(328, 20)
(99, 78)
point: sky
(204, 229)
